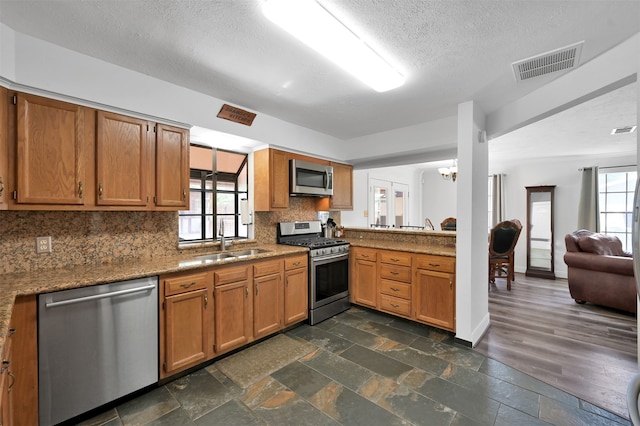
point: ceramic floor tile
(322, 339)
(337, 368)
(177, 417)
(102, 418)
(356, 335)
(199, 393)
(414, 358)
(231, 413)
(508, 416)
(148, 407)
(474, 404)
(287, 408)
(376, 362)
(301, 379)
(388, 332)
(554, 412)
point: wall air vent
(621, 130)
(556, 60)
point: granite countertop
(434, 249)
(27, 283)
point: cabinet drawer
(395, 258)
(184, 283)
(436, 263)
(231, 275)
(295, 262)
(395, 305)
(394, 288)
(365, 254)
(396, 273)
(267, 268)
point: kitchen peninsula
(410, 274)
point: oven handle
(323, 259)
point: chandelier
(449, 173)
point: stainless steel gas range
(328, 267)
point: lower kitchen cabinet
(364, 277)
(19, 368)
(233, 307)
(267, 303)
(186, 321)
(414, 286)
(296, 290)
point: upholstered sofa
(600, 272)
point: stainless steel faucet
(221, 234)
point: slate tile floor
(359, 368)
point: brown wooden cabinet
(395, 282)
(4, 149)
(49, 165)
(172, 167)
(435, 291)
(122, 160)
(342, 198)
(233, 307)
(19, 367)
(186, 321)
(364, 277)
(296, 289)
(268, 297)
(271, 174)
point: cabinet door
(7, 381)
(23, 380)
(267, 305)
(232, 315)
(172, 167)
(49, 151)
(296, 296)
(4, 147)
(122, 153)
(280, 179)
(435, 298)
(186, 330)
(342, 198)
(364, 283)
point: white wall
(41, 65)
(438, 197)
(401, 174)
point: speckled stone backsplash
(79, 238)
(300, 208)
(437, 238)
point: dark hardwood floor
(586, 350)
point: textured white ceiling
(450, 51)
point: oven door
(329, 279)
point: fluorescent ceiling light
(315, 26)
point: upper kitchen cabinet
(48, 153)
(172, 167)
(4, 137)
(122, 160)
(342, 198)
(271, 176)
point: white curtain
(588, 207)
(497, 199)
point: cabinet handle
(256, 289)
(100, 190)
(395, 289)
(296, 263)
(246, 289)
(286, 282)
(13, 381)
(184, 194)
(80, 190)
(206, 300)
(364, 255)
(1, 186)
(394, 305)
(435, 265)
(395, 259)
(450, 284)
(394, 272)
(187, 285)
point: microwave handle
(328, 180)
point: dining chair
(502, 244)
(449, 224)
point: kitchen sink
(245, 253)
(214, 257)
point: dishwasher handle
(99, 296)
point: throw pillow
(605, 245)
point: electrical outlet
(43, 244)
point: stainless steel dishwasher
(95, 344)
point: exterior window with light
(218, 181)
(616, 191)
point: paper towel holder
(246, 216)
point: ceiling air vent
(557, 60)
(621, 130)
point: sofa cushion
(602, 244)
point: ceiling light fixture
(312, 24)
(449, 173)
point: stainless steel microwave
(310, 179)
